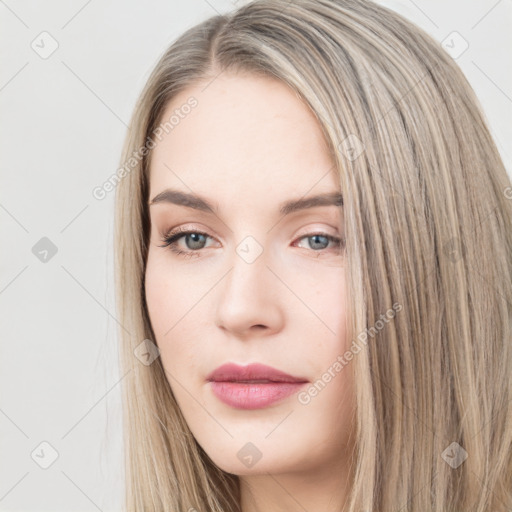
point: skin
(249, 145)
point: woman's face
(254, 283)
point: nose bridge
(247, 296)
(248, 267)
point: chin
(249, 460)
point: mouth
(252, 387)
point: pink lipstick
(252, 387)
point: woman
(314, 271)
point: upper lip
(231, 372)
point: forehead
(245, 132)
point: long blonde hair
(428, 225)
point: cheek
(174, 307)
(171, 295)
(333, 304)
(159, 294)
(330, 397)
(321, 308)
(164, 304)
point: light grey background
(64, 118)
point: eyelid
(319, 230)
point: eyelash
(170, 240)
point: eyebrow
(196, 202)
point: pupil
(195, 237)
(316, 237)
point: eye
(320, 241)
(196, 240)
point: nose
(249, 300)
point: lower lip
(253, 395)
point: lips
(255, 386)
(253, 373)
